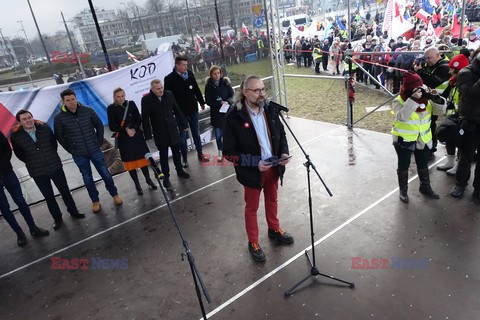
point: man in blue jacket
(80, 131)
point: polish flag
(215, 37)
(228, 39)
(197, 48)
(199, 40)
(244, 29)
(132, 56)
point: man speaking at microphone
(255, 141)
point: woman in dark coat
(129, 137)
(217, 93)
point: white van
(297, 20)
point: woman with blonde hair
(124, 121)
(219, 96)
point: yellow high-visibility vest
(414, 126)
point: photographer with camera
(452, 96)
(413, 111)
(435, 74)
(468, 85)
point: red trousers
(252, 200)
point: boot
(151, 184)
(425, 186)
(403, 185)
(447, 164)
(453, 171)
(139, 188)
(21, 239)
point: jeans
(83, 163)
(193, 123)
(45, 186)
(10, 182)
(177, 161)
(219, 138)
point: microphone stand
(191, 260)
(314, 270)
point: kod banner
(96, 92)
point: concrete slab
(364, 219)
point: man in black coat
(162, 117)
(34, 143)
(435, 74)
(80, 131)
(255, 141)
(181, 82)
(468, 86)
(9, 181)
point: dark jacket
(5, 155)
(435, 75)
(131, 148)
(240, 142)
(214, 96)
(162, 118)
(468, 86)
(41, 157)
(186, 92)
(79, 133)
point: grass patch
(317, 99)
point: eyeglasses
(258, 91)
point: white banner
(96, 92)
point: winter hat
(411, 80)
(459, 62)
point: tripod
(191, 260)
(314, 270)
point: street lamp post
(201, 23)
(7, 49)
(28, 42)
(52, 70)
(129, 21)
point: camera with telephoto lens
(421, 60)
(425, 93)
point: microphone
(276, 105)
(154, 166)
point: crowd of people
(167, 112)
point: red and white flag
(131, 56)
(394, 23)
(199, 40)
(244, 29)
(215, 37)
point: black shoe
(151, 184)
(138, 188)
(57, 224)
(21, 239)
(457, 192)
(183, 174)
(280, 235)
(256, 252)
(39, 232)
(184, 162)
(77, 215)
(166, 183)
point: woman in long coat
(131, 142)
(217, 93)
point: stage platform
(431, 245)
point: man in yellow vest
(435, 74)
(413, 110)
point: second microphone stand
(197, 279)
(314, 270)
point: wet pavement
(431, 245)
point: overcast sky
(47, 13)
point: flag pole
(462, 19)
